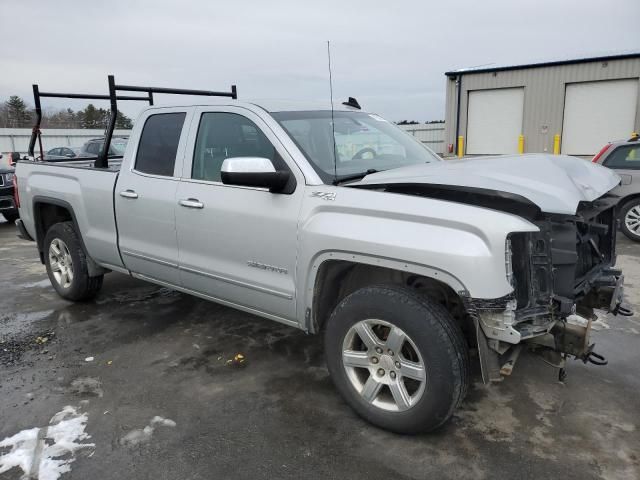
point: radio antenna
(333, 128)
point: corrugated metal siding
(544, 96)
(17, 139)
(431, 134)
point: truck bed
(80, 188)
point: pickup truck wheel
(630, 219)
(399, 359)
(66, 264)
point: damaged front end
(559, 275)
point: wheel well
(338, 278)
(46, 215)
(627, 199)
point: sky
(390, 55)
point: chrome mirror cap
(248, 165)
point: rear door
(237, 244)
(145, 196)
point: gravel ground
(149, 383)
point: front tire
(398, 358)
(66, 264)
(630, 219)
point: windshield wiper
(354, 176)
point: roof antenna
(333, 128)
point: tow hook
(573, 339)
(594, 358)
(624, 310)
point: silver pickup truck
(337, 222)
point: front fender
(460, 245)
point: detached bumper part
(574, 339)
(607, 294)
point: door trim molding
(149, 259)
(252, 286)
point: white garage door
(494, 120)
(596, 113)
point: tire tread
(86, 287)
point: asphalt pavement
(144, 382)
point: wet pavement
(147, 383)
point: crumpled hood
(555, 183)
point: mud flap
(489, 361)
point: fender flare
(384, 262)
(93, 268)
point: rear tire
(11, 217)
(66, 264)
(630, 219)
(424, 377)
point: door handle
(128, 194)
(191, 203)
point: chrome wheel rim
(61, 263)
(384, 365)
(632, 220)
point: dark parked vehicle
(7, 203)
(624, 157)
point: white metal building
(572, 107)
(17, 139)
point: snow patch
(46, 453)
(143, 435)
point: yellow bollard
(460, 150)
(521, 144)
(556, 144)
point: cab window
(225, 135)
(159, 144)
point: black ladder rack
(103, 158)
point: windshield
(118, 147)
(364, 143)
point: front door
(145, 198)
(237, 244)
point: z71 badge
(324, 195)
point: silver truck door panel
(237, 244)
(145, 196)
(146, 226)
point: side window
(224, 135)
(93, 148)
(625, 156)
(159, 144)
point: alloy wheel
(61, 263)
(632, 219)
(384, 365)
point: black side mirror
(15, 157)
